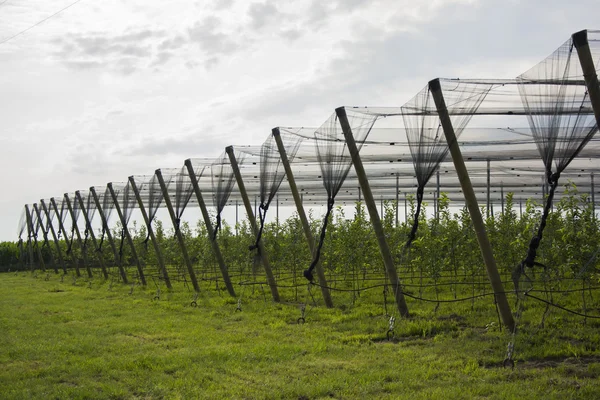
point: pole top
(580, 38)
(229, 149)
(434, 85)
(275, 131)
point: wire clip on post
(194, 302)
(302, 318)
(390, 331)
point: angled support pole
(45, 234)
(62, 229)
(580, 40)
(78, 234)
(467, 188)
(108, 236)
(161, 262)
(209, 228)
(386, 254)
(125, 232)
(90, 231)
(31, 234)
(248, 205)
(178, 234)
(302, 215)
(54, 237)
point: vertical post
(125, 232)
(108, 236)
(31, 234)
(489, 188)
(61, 226)
(261, 249)
(236, 218)
(90, 231)
(437, 195)
(78, 234)
(178, 234)
(45, 234)
(209, 228)
(405, 209)
(277, 210)
(381, 206)
(372, 208)
(161, 262)
(467, 188)
(302, 215)
(54, 237)
(359, 195)
(520, 208)
(397, 196)
(502, 197)
(593, 196)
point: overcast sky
(111, 88)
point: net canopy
(222, 178)
(335, 162)
(181, 182)
(426, 139)
(565, 127)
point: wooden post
(109, 236)
(78, 234)
(580, 40)
(248, 205)
(593, 196)
(397, 196)
(90, 231)
(489, 189)
(54, 237)
(162, 269)
(178, 234)
(467, 188)
(62, 229)
(302, 215)
(45, 234)
(33, 234)
(372, 208)
(125, 231)
(209, 228)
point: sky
(108, 89)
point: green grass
(60, 341)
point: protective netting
(184, 190)
(151, 192)
(76, 211)
(108, 206)
(222, 178)
(562, 123)
(335, 162)
(424, 131)
(127, 201)
(90, 212)
(271, 176)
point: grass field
(65, 341)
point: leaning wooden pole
(386, 254)
(162, 269)
(302, 215)
(125, 232)
(109, 236)
(78, 234)
(209, 228)
(465, 182)
(45, 234)
(580, 40)
(32, 237)
(54, 237)
(250, 213)
(63, 230)
(178, 233)
(90, 232)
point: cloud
(261, 14)
(123, 53)
(213, 43)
